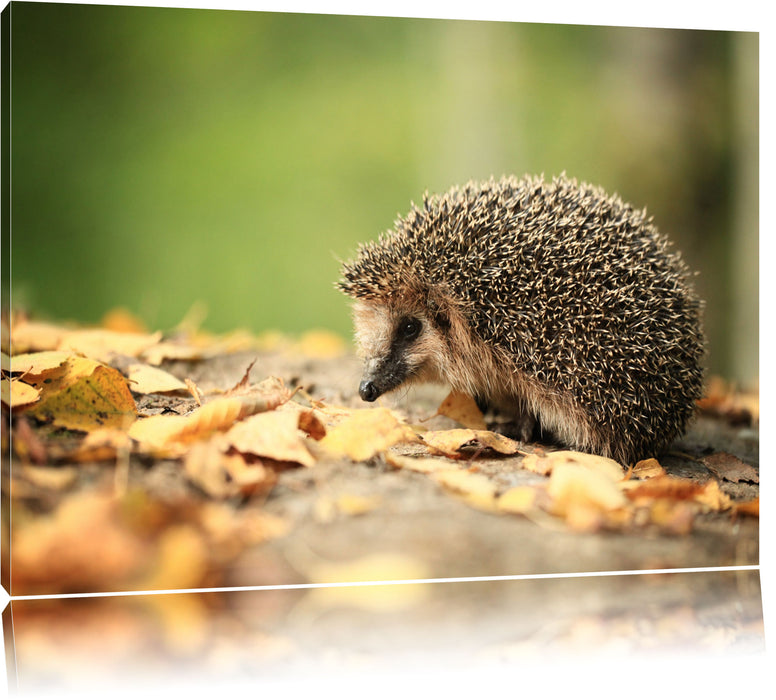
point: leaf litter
(71, 406)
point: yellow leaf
(648, 469)
(35, 335)
(320, 343)
(181, 560)
(14, 393)
(163, 431)
(575, 484)
(451, 442)
(425, 465)
(145, 379)
(102, 344)
(275, 434)
(35, 363)
(545, 464)
(86, 395)
(519, 499)
(476, 489)
(463, 409)
(366, 432)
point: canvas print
(465, 311)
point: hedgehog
(551, 303)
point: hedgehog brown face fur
(550, 302)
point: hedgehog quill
(550, 302)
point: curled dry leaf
(100, 445)
(365, 432)
(451, 442)
(672, 488)
(463, 409)
(163, 431)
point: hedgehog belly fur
(552, 299)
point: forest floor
(289, 483)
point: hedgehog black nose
(368, 391)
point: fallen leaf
(181, 560)
(729, 468)
(275, 434)
(648, 469)
(122, 320)
(519, 499)
(14, 393)
(36, 363)
(164, 431)
(365, 432)
(476, 489)
(53, 478)
(573, 484)
(451, 442)
(547, 463)
(748, 507)
(145, 379)
(463, 409)
(36, 335)
(320, 344)
(676, 489)
(81, 546)
(101, 445)
(85, 395)
(101, 344)
(424, 465)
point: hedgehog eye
(409, 328)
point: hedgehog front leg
(521, 425)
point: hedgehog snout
(368, 391)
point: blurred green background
(162, 157)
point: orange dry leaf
(366, 432)
(164, 431)
(749, 507)
(451, 442)
(463, 409)
(83, 394)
